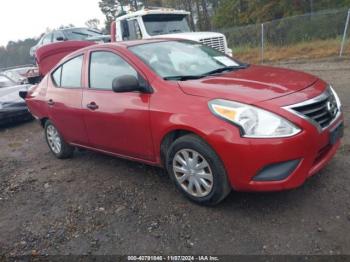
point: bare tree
(93, 23)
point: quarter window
(105, 67)
(56, 76)
(68, 75)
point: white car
(73, 33)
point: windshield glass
(160, 24)
(81, 33)
(182, 58)
(14, 76)
(5, 82)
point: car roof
(121, 44)
(129, 43)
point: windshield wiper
(216, 71)
(175, 30)
(226, 68)
(183, 78)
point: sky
(20, 19)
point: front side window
(134, 30)
(58, 35)
(68, 75)
(105, 67)
(47, 39)
(182, 58)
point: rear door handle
(50, 102)
(92, 106)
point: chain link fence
(314, 35)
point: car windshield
(160, 24)
(14, 76)
(81, 33)
(5, 82)
(23, 71)
(184, 59)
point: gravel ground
(96, 204)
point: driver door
(116, 122)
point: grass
(305, 50)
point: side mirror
(60, 38)
(126, 83)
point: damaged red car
(214, 123)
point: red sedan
(214, 123)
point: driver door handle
(92, 106)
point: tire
(209, 184)
(56, 143)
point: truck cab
(164, 23)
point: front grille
(321, 110)
(217, 43)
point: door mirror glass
(126, 83)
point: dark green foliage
(242, 12)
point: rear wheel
(56, 143)
(197, 170)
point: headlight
(337, 99)
(253, 122)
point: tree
(228, 13)
(16, 53)
(93, 23)
(111, 9)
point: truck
(164, 23)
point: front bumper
(244, 159)
(14, 115)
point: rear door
(64, 99)
(116, 122)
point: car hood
(9, 96)
(251, 85)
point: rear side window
(104, 67)
(68, 75)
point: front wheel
(197, 170)
(56, 143)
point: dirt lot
(102, 205)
